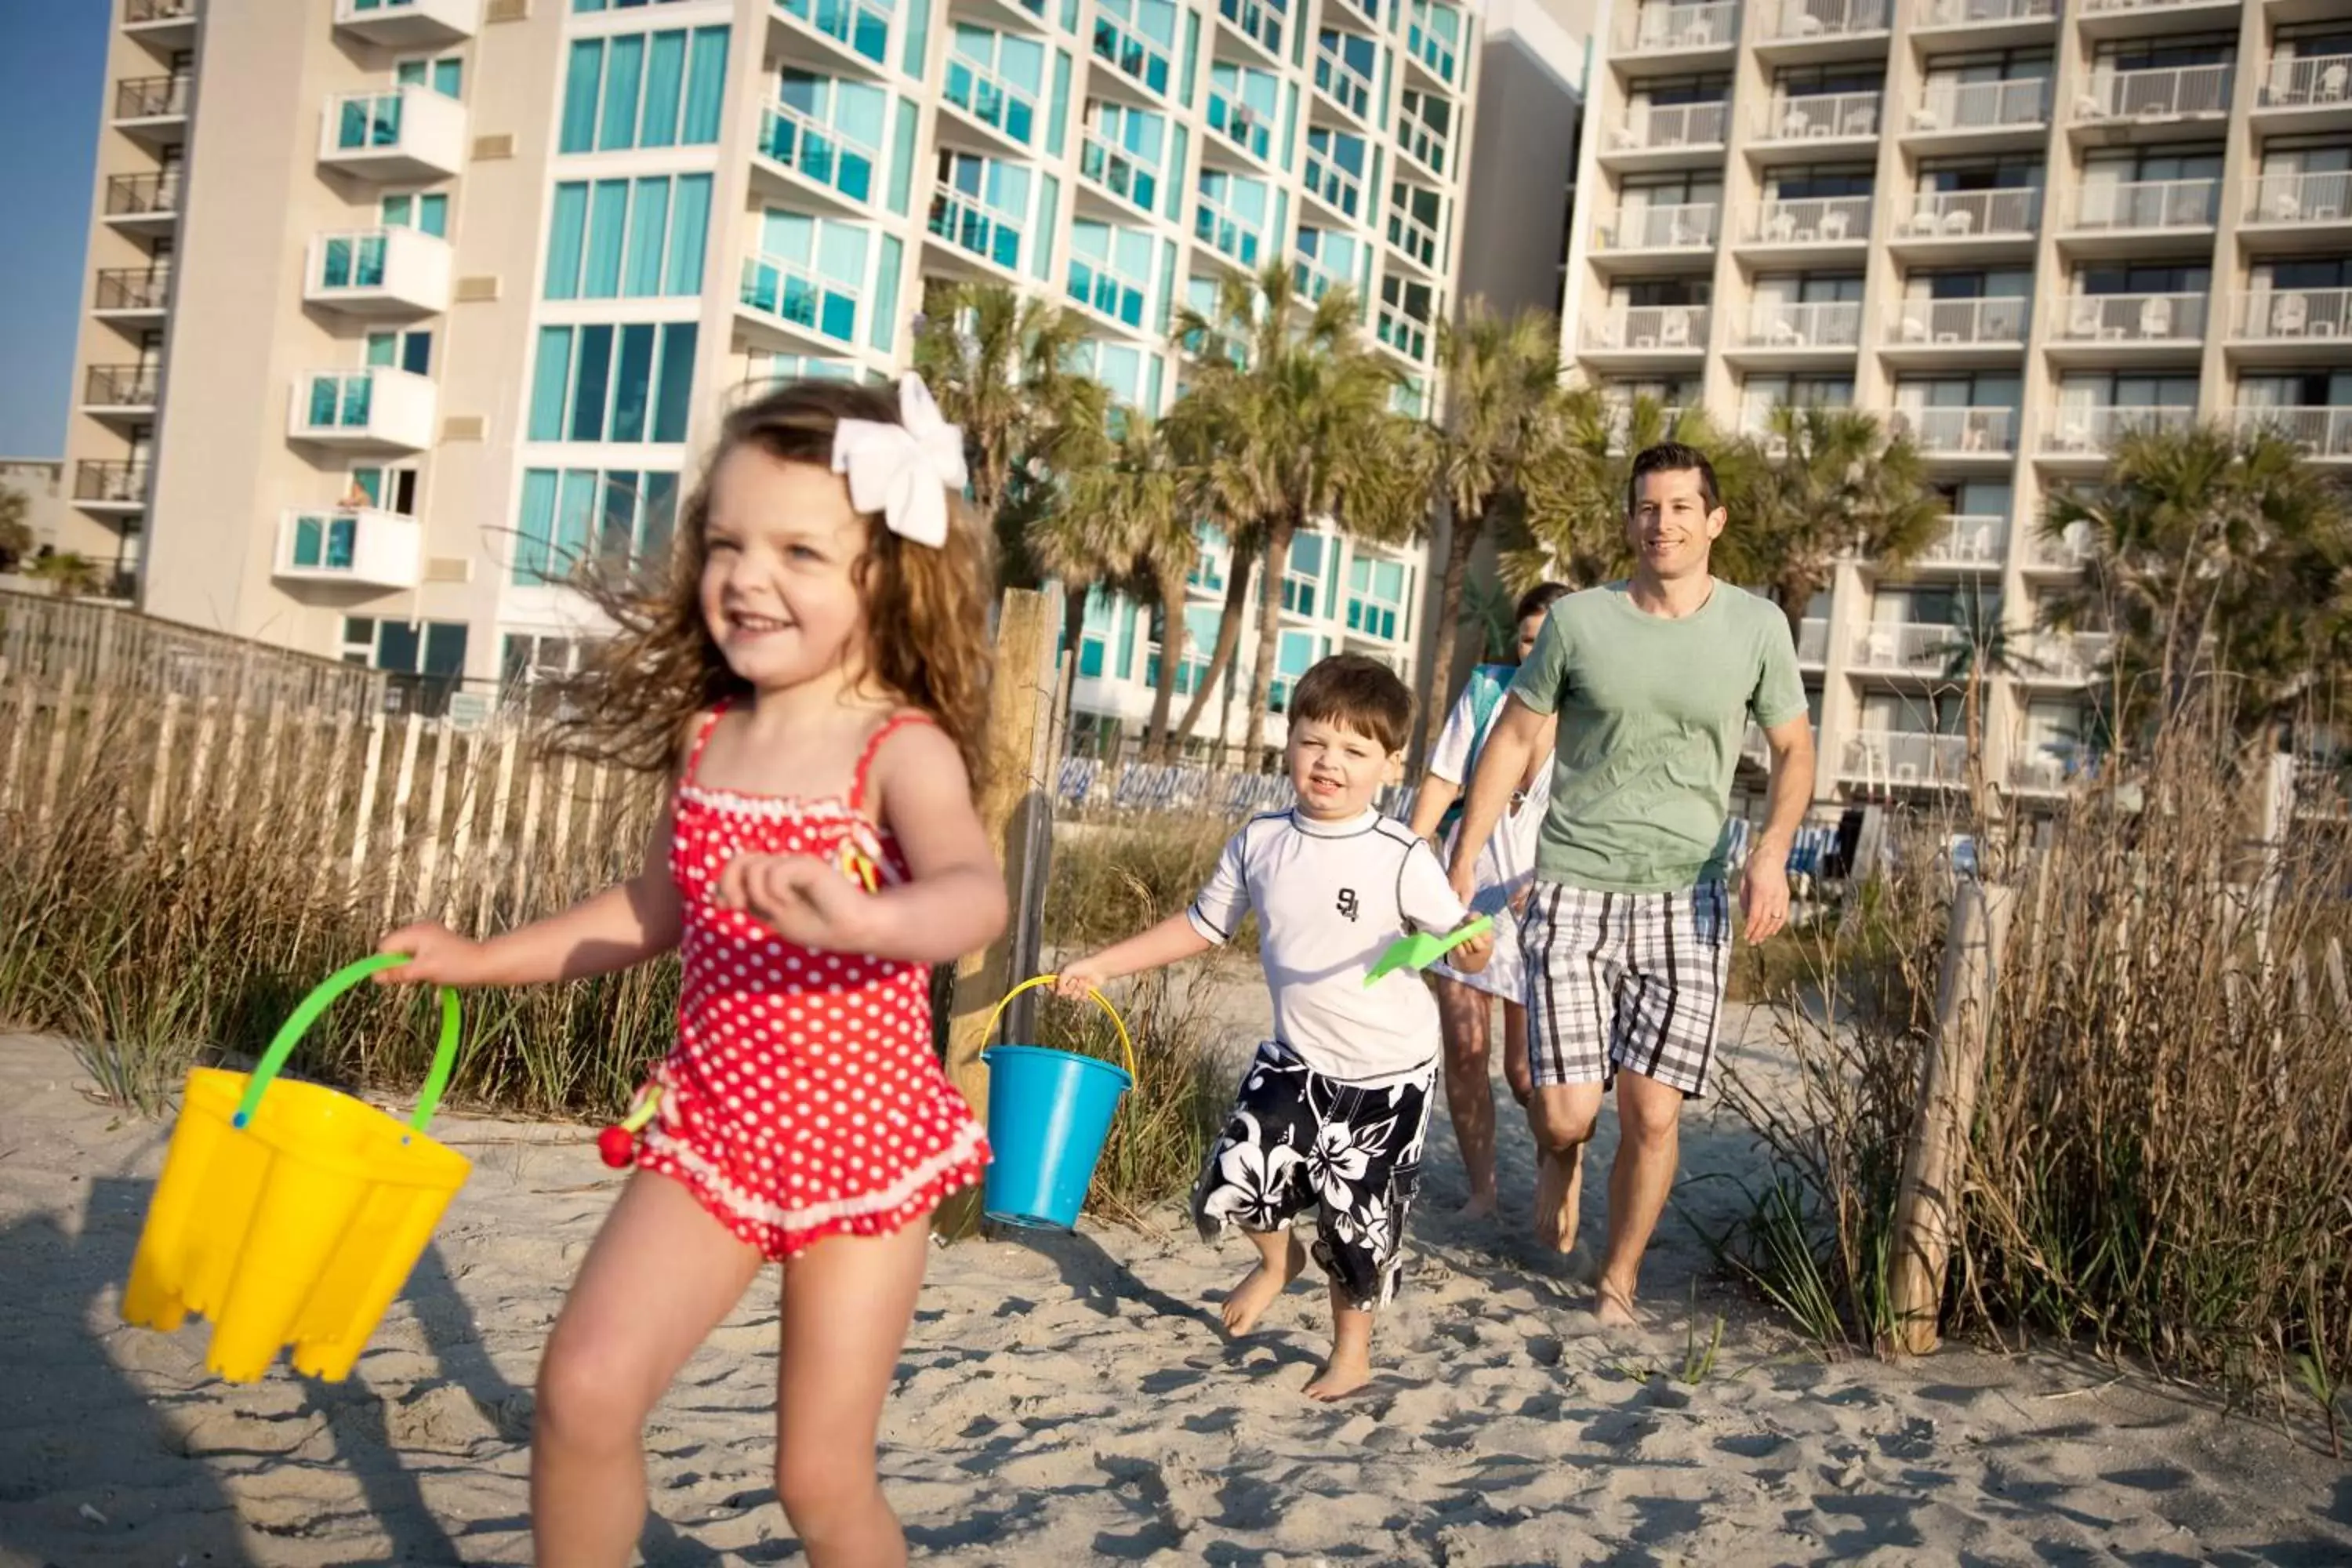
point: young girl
(1465, 1002)
(814, 684)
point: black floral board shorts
(1297, 1140)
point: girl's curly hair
(635, 699)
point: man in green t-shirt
(1627, 935)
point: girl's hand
(802, 899)
(437, 956)
(1081, 977)
(1471, 956)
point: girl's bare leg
(1516, 1071)
(1280, 1259)
(847, 1303)
(661, 1275)
(1463, 1017)
(1350, 1366)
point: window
(643, 89)
(1336, 166)
(387, 490)
(1231, 214)
(1111, 270)
(435, 649)
(1302, 579)
(1124, 151)
(570, 517)
(445, 76)
(526, 659)
(323, 540)
(627, 383)
(1138, 37)
(996, 78)
(1427, 128)
(628, 239)
(1242, 104)
(1294, 656)
(812, 105)
(1106, 643)
(428, 210)
(1377, 595)
(810, 270)
(410, 351)
(1327, 256)
(1199, 629)
(588, 5)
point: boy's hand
(805, 900)
(1079, 978)
(437, 956)
(1471, 956)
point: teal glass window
(427, 212)
(665, 80)
(632, 383)
(628, 239)
(625, 64)
(582, 78)
(446, 77)
(639, 89)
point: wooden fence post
(1020, 728)
(1927, 1206)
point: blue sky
(52, 60)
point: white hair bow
(903, 471)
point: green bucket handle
(445, 1053)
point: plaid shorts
(1626, 980)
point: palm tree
(1142, 502)
(2213, 556)
(1503, 410)
(1981, 645)
(1296, 428)
(1573, 527)
(16, 533)
(70, 575)
(1818, 484)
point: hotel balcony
(1249, 31)
(2170, 98)
(1687, 232)
(2055, 554)
(1963, 226)
(1985, 24)
(1429, 53)
(991, 117)
(1113, 184)
(783, 306)
(1812, 642)
(832, 36)
(1979, 116)
(973, 238)
(2116, 221)
(2114, 329)
(2060, 659)
(1618, 416)
(2152, 18)
(162, 25)
(409, 24)
(2311, 92)
(1894, 648)
(1668, 136)
(387, 272)
(1989, 330)
(1679, 31)
(362, 546)
(125, 391)
(1631, 336)
(1344, 96)
(1792, 30)
(2088, 436)
(1015, 15)
(1819, 118)
(2289, 326)
(134, 296)
(142, 204)
(2301, 213)
(1901, 759)
(804, 159)
(1823, 227)
(1949, 434)
(1792, 334)
(1969, 544)
(153, 109)
(376, 408)
(402, 134)
(2324, 434)
(109, 488)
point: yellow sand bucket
(293, 1217)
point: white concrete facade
(2012, 228)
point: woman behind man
(1506, 870)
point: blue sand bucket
(1048, 1113)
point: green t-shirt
(1651, 712)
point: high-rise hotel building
(2012, 229)
(397, 308)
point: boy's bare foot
(1341, 1376)
(1250, 1299)
(1481, 1206)
(1558, 1194)
(1613, 1308)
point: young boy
(1332, 1112)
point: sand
(1068, 1399)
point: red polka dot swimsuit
(803, 1099)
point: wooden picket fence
(107, 645)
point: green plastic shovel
(1424, 948)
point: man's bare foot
(1557, 1197)
(1341, 1376)
(1613, 1308)
(1481, 1206)
(1245, 1301)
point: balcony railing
(133, 288)
(1327, 183)
(2165, 93)
(113, 483)
(2323, 432)
(1968, 540)
(1897, 646)
(2011, 212)
(2321, 197)
(136, 195)
(136, 13)
(1651, 127)
(1618, 420)
(1656, 27)
(151, 98)
(2069, 656)
(1411, 233)
(1947, 105)
(1815, 115)
(2096, 430)
(799, 298)
(1343, 83)
(1242, 126)
(964, 221)
(1804, 324)
(1824, 19)
(1688, 226)
(857, 24)
(2294, 313)
(1261, 22)
(1648, 327)
(1995, 319)
(2148, 204)
(1110, 168)
(1983, 12)
(981, 94)
(1130, 54)
(2132, 318)
(2308, 80)
(2065, 552)
(1225, 231)
(1408, 335)
(1990, 429)
(1812, 641)
(121, 386)
(1827, 220)
(2110, 7)
(818, 152)
(1905, 757)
